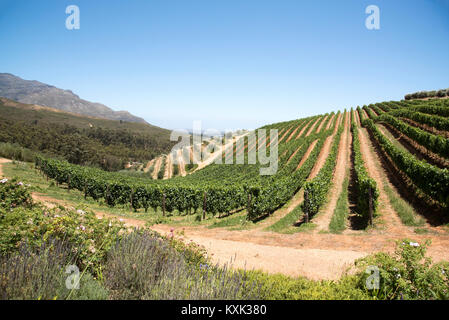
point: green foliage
(280, 287)
(316, 190)
(431, 108)
(426, 94)
(408, 274)
(377, 109)
(370, 112)
(439, 123)
(404, 210)
(100, 143)
(14, 194)
(434, 143)
(16, 152)
(90, 237)
(364, 184)
(273, 194)
(338, 220)
(431, 180)
(175, 170)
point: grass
(338, 221)
(404, 210)
(234, 222)
(285, 224)
(390, 137)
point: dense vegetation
(431, 180)
(432, 142)
(105, 144)
(427, 94)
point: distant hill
(35, 92)
(108, 144)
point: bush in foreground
(407, 274)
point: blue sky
(232, 64)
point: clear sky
(230, 63)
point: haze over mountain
(35, 92)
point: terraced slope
(314, 157)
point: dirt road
(323, 218)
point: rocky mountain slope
(35, 92)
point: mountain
(35, 92)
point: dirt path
(357, 118)
(168, 167)
(181, 163)
(2, 161)
(306, 155)
(373, 111)
(157, 167)
(285, 133)
(218, 153)
(314, 264)
(323, 218)
(293, 133)
(303, 129)
(293, 154)
(148, 166)
(316, 256)
(324, 152)
(312, 127)
(330, 122)
(321, 124)
(365, 114)
(372, 163)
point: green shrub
(16, 152)
(14, 194)
(90, 237)
(408, 274)
(280, 287)
(441, 93)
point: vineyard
(220, 189)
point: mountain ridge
(39, 93)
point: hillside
(35, 92)
(107, 144)
(410, 137)
(349, 184)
